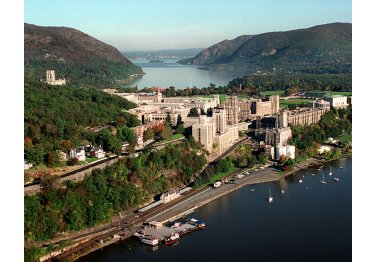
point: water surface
(309, 222)
(169, 73)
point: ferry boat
(149, 240)
(172, 239)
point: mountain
(78, 57)
(217, 51)
(319, 49)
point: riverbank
(200, 198)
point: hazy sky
(175, 24)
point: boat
(306, 187)
(323, 179)
(149, 240)
(239, 176)
(336, 179)
(330, 171)
(172, 239)
(176, 225)
(341, 167)
(252, 190)
(196, 222)
(270, 196)
(300, 181)
(282, 191)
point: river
(169, 73)
(309, 222)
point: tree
(148, 134)
(193, 112)
(168, 119)
(166, 132)
(127, 134)
(180, 129)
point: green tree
(148, 134)
(168, 119)
(193, 112)
(166, 132)
(127, 134)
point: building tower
(50, 76)
(232, 108)
(220, 120)
(275, 103)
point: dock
(158, 231)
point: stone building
(214, 130)
(245, 109)
(232, 110)
(264, 107)
(274, 136)
(320, 104)
(51, 78)
(337, 101)
(204, 132)
(306, 116)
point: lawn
(219, 176)
(171, 138)
(297, 102)
(319, 94)
(270, 93)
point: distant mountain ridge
(80, 58)
(318, 49)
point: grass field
(345, 138)
(173, 137)
(270, 93)
(319, 94)
(297, 102)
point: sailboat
(270, 196)
(330, 171)
(323, 178)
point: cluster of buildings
(82, 152)
(219, 130)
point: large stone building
(51, 78)
(214, 133)
(337, 101)
(245, 109)
(306, 116)
(265, 107)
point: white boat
(341, 167)
(270, 196)
(252, 190)
(336, 179)
(282, 191)
(300, 181)
(323, 179)
(150, 240)
(330, 171)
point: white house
(78, 153)
(170, 195)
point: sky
(172, 24)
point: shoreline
(266, 175)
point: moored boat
(336, 179)
(149, 240)
(172, 239)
